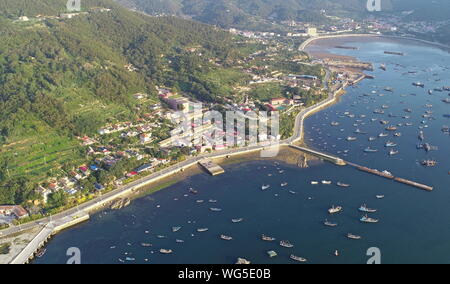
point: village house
(16, 211)
(145, 138)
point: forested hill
(254, 13)
(62, 78)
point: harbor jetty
(211, 167)
(323, 156)
(388, 175)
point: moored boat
(370, 150)
(298, 258)
(330, 224)
(226, 238)
(264, 187)
(354, 237)
(286, 244)
(365, 209)
(267, 238)
(367, 219)
(41, 252)
(334, 210)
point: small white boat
(166, 251)
(298, 258)
(334, 210)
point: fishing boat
(326, 182)
(264, 187)
(379, 111)
(397, 134)
(226, 238)
(334, 123)
(379, 196)
(343, 184)
(212, 201)
(383, 67)
(179, 241)
(383, 135)
(200, 201)
(166, 251)
(390, 144)
(267, 238)
(286, 244)
(334, 210)
(393, 152)
(41, 252)
(429, 163)
(336, 253)
(297, 258)
(202, 230)
(238, 220)
(370, 150)
(215, 209)
(419, 84)
(272, 254)
(314, 182)
(354, 237)
(365, 209)
(176, 229)
(351, 138)
(284, 184)
(146, 245)
(193, 191)
(391, 128)
(372, 138)
(366, 219)
(359, 131)
(330, 224)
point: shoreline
(310, 41)
(174, 174)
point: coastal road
(117, 193)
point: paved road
(298, 136)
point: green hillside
(60, 79)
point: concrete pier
(323, 156)
(211, 167)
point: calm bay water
(414, 225)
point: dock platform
(212, 167)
